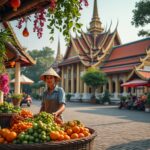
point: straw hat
(50, 72)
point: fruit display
(41, 128)
(8, 108)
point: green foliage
(141, 16)
(65, 17)
(106, 97)
(4, 36)
(44, 59)
(123, 98)
(94, 77)
(17, 96)
(68, 96)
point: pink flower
(4, 83)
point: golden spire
(58, 56)
(95, 24)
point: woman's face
(50, 80)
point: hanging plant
(4, 36)
(63, 15)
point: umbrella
(135, 83)
(23, 80)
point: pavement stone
(116, 129)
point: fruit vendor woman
(53, 100)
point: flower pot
(16, 102)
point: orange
(76, 129)
(69, 131)
(74, 136)
(54, 135)
(86, 133)
(86, 129)
(66, 137)
(71, 123)
(5, 132)
(81, 135)
(11, 136)
(2, 140)
(81, 129)
(61, 137)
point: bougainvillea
(61, 14)
(4, 83)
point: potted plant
(68, 96)
(147, 103)
(16, 99)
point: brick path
(116, 129)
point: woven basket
(5, 119)
(85, 143)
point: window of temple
(113, 87)
(90, 90)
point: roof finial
(58, 56)
(95, 24)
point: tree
(94, 77)
(44, 59)
(141, 16)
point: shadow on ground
(134, 145)
(134, 115)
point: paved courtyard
(116, 129)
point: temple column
(84, 85)
(62, 78)
(67, 79)
(117, 86)
(110, 84)
(72, 79)
(78, 78)
(104, 88)
(17, 78)
(124, 88)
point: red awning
(135, 83)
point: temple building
(103, 49)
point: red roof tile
(145, 74)
(123, 62)
(118, 69)
(131, 49)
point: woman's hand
(55, 114)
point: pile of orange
(7, 136)
(72, 130)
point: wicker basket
(85, 143)
(5, 119)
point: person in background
(53, 99)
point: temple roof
(15, 52)
(70, 60)
(27, 7)
(140, 73)
(126, 56)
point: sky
(109, 11)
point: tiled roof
(118, 69)
(125, 55)
(145, 74)
(131, 49)
(70, 61)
